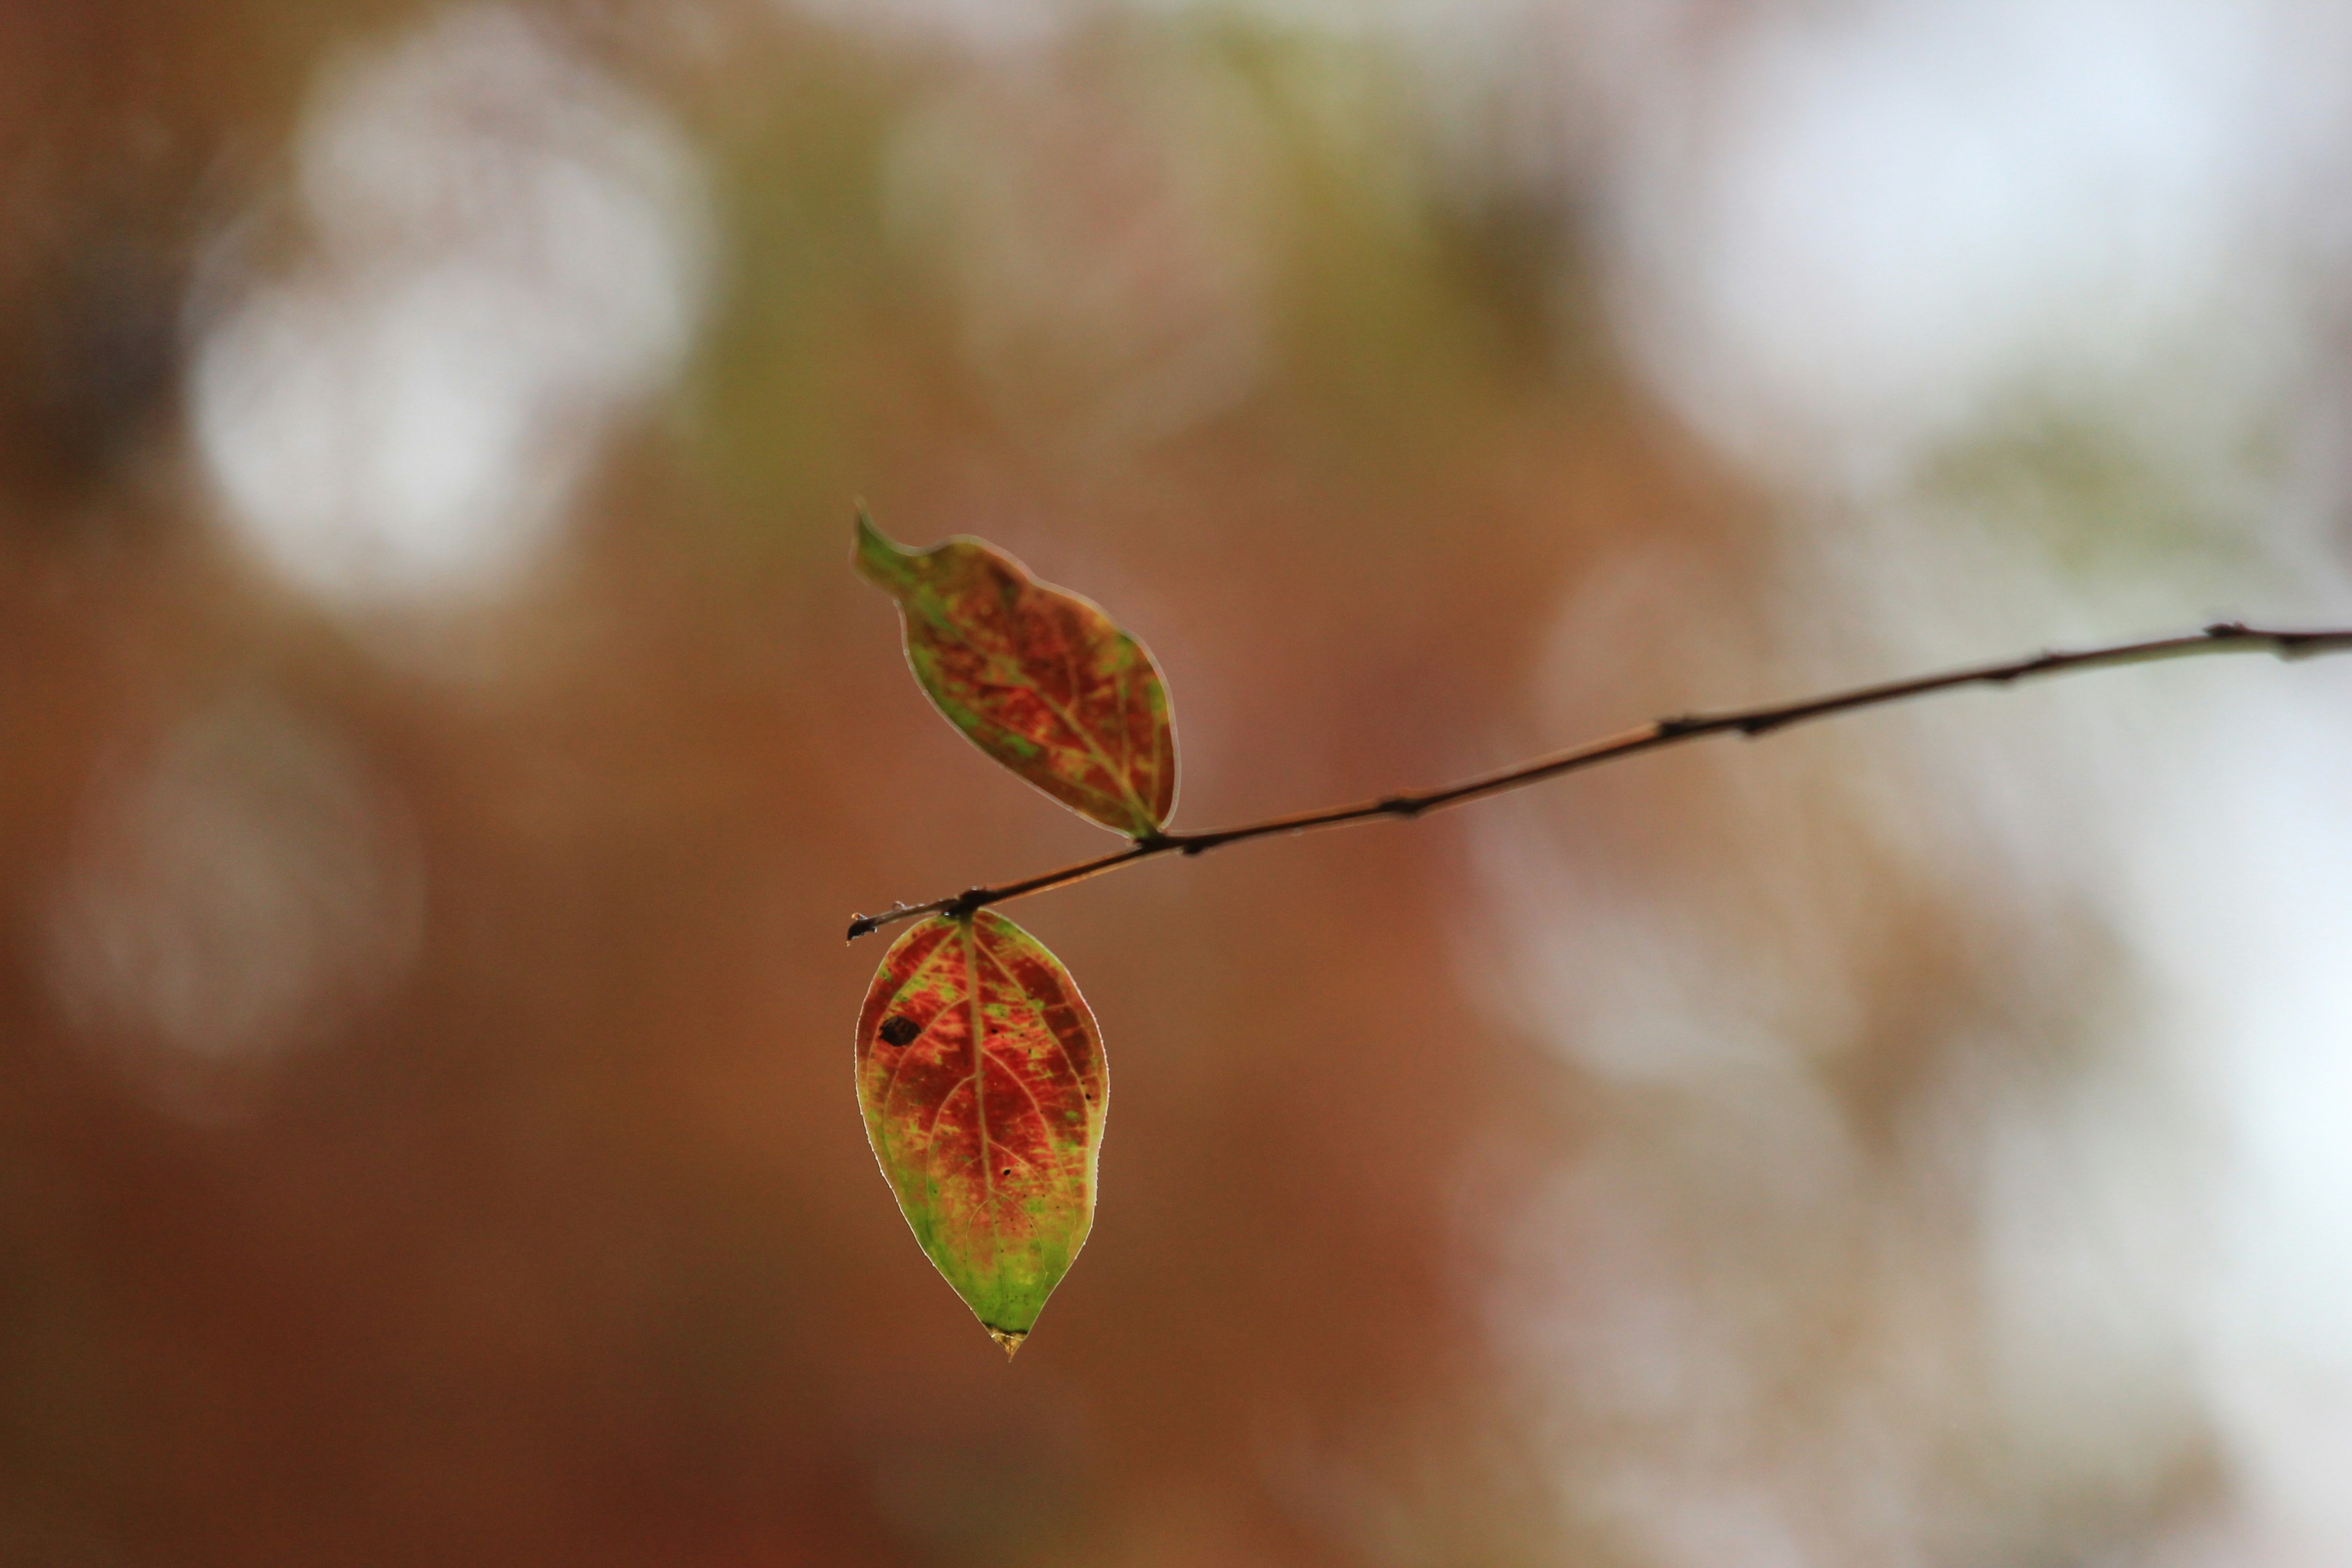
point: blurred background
(441, 742)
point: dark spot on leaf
(899, 1031)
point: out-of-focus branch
(2225, 636)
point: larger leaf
(981, 1075)
(1037, 676)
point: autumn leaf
(981, 1076)
(1037, 676)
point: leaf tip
(1012, 1343)
(878, 558)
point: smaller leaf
(981, 1076)
(1037, 676)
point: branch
(2225, 636)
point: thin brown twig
(2224, 637)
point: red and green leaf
(1037, 676)
(981, 1075)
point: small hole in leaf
(899, 1030)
